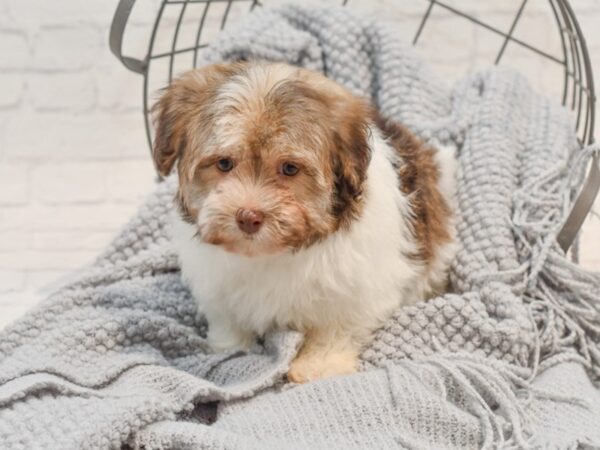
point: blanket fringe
(562, 297)
(494, 391)
(490, 390)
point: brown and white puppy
(300, 209)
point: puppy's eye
(289, 169)
(225, 164)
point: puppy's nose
(249, 220)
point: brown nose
(249, 220)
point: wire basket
(183, 27)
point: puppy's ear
(182, 104)
(352, 154)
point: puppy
(300, 208)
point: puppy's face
(270, 158)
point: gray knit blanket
(118, 358)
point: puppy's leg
(324, 354)
(224, 335)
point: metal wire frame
(577, 79)
(578, 83)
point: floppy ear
(182, 104)
(352, 154)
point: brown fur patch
(182, 102)
(351, 159)
(419, 175)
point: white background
(74, 162)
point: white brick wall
(73, 158)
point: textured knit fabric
(507, 360)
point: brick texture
(13, 89)
(14, 48)
(14, 184)
(74, 162)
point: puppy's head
(270, 157)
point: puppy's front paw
(223, 339)
(314, 366)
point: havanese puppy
(300, 208)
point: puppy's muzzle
(248, 220)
